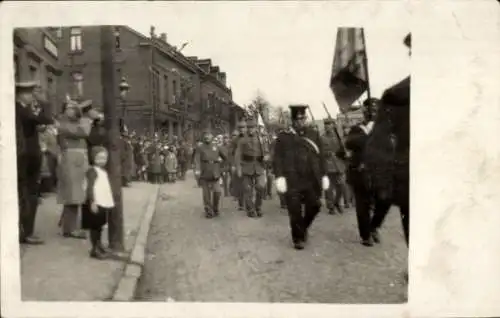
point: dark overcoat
(296, 159)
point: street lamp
(124, 88)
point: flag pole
(365, 63)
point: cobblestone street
(237, 259)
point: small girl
(171, 164)
(99, 202)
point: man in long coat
(29, 158)
(300, 173)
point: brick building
(37, 57)
(164, 84)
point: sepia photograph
(250, 195)
(237, 156)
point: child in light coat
(171, 164)
(99, 202)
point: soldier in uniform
(29, 158)
(208, 161)
(359, 176)
(250, 158)
(300, 173)
(238, 180)
(335, 166)
(226, 166)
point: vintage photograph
(157, 164)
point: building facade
(37, 58)
(168, 91)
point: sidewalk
(61, 269)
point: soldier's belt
(210, 161)
(252, 158)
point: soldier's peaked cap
(297, 111)
(371, 102)
(329, 121)
(242, 124)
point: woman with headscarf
(73, 132)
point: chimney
(205, 64)
(222, 77)
(163, 37)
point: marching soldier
(335, 167)
(300, 173)
(251, 155)
(226, 166)
(208, 161)
(358, 176)
(238, 180)
(29, 158)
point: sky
(284, 53)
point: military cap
(371, 102)
(242, 124)
(297, 111)
(235, 133)
(407, 40)
(26, 86)
(328, 121)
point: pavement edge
(127, 283)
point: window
(50, 86)
(166, 91)
(49, 46)
(174, 91)
(33, 73)
(116, 33)
(77, 84)
(59, 33)
(76, 39)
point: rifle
(335, 129)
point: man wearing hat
(29, 158)
(207, 169)
(237, 181)
(359, 174)
(334, 153)
(250, 158)
(300, 173)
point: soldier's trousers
(211, 192)
(364, 201)
(334, 192)
(301, 218)
(225, 183)
(237, 189)
(253, 187)
(28, 183)
(269, 185)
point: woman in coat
(72, 137)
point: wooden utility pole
(109, 85)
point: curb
(127, 284)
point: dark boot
(216, 200)
(94, 240)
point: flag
(349, 79)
